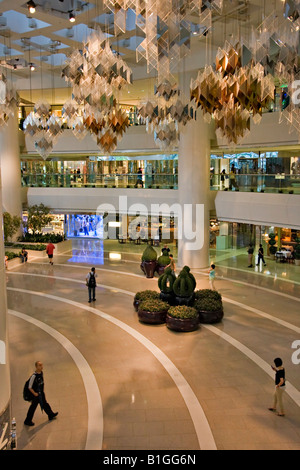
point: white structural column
(193, 189)
(5, 392)
(10, 167)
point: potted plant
(272, 247)
(165, 284)
(144, 295)
(182, 318)
(153, 311)
(297, 252)
(208, 304)
(184, 287)
(148, 264)
(162, 262)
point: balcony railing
(275, 183)
(60, 180)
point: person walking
(24, 255)
(212, 276)
(36, 388)
(172, 264)
(279, 386)
(222, 178)
(250, 255)
(261, 255)
(91, 284)
(49, 250)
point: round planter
(160, 269)
(182, 324)
(148, 268)
(210, 317)
(153, 318)
(297, 262)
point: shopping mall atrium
(128, 128)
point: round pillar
(193, 192)
(5, 391)
(10, 167)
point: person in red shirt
(49, 250)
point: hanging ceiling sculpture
(96, 74)
(166, 27)
(44, 127)
(232, 93)
(276, 45)
(9, 100)
(167, 115)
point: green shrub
(182, 312)
(11, 255)
(11, 225)
(207, 293)
(297, 249)
(146, 294)
(37, 247)
(208, 305)
(149, 254)
(154, 305)
(42, 237)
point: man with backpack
(35, 386)
(91, 284)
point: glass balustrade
(79, 180)
(276, 183)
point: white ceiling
(48, 37)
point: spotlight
(31, 6)
(71, 17)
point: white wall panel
(281, 210)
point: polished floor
(120, 384)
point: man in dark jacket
(36, 387)
(91, 284)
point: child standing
(212, 276)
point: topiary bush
(165, 284)
(149, 254)
(183, 288)
(272, 243)
(148, 264)
(191, 276)
(166, 281)
(162, 262)
(164, 259)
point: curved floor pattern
(222, 372)
(200, 422)
(95, 413)
(204, 435)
